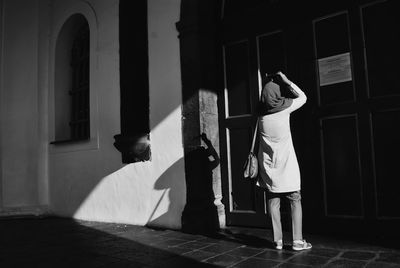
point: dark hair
(269, 77)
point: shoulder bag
(251, 164)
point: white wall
(19, 104)
(90, 183)
(1, 106)
(87, 180)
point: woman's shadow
(200, 214)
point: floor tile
(183, 263)
(213, 240)
(358, 255)
(245, 251)
(382, 265)
(308, 259)
(256, 263)
(346, 263)
(178, 250)
(199, 255)
(221, 247)
(180, 235)
(145, 256)
(193, 245)
(293, 265)
(224, 260)
(279, 255)
(149, 240)
(167, 243)
(389, 257)
(323, 252)
(124, 264)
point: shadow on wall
(200, 213)
(171, 183)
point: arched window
(80, 117)
(72, 86)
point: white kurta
(278, 167)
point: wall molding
(25, 211)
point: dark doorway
(344, 56)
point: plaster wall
(19, 104)
(87, 181)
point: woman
(279, 170)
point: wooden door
(347, 135)
(244, 202)
(245, 62)
(358, 119)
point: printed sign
(334, 69)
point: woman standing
(279, 169)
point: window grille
(79, 93)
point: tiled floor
(54, 242)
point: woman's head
(272, 100)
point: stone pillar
(200, 68)
(209, 125)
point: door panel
(243, 200)
(242, 190)
(386, 135)
(382, 43)
(332, 34)
(331, 37)
(237, 78)
(341, 166)
(271, 55)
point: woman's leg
(274, 211)
(297, 215)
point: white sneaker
(301, 245)
(278, 244)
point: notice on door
(334, 69)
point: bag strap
(254, 137)
(255, 133)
